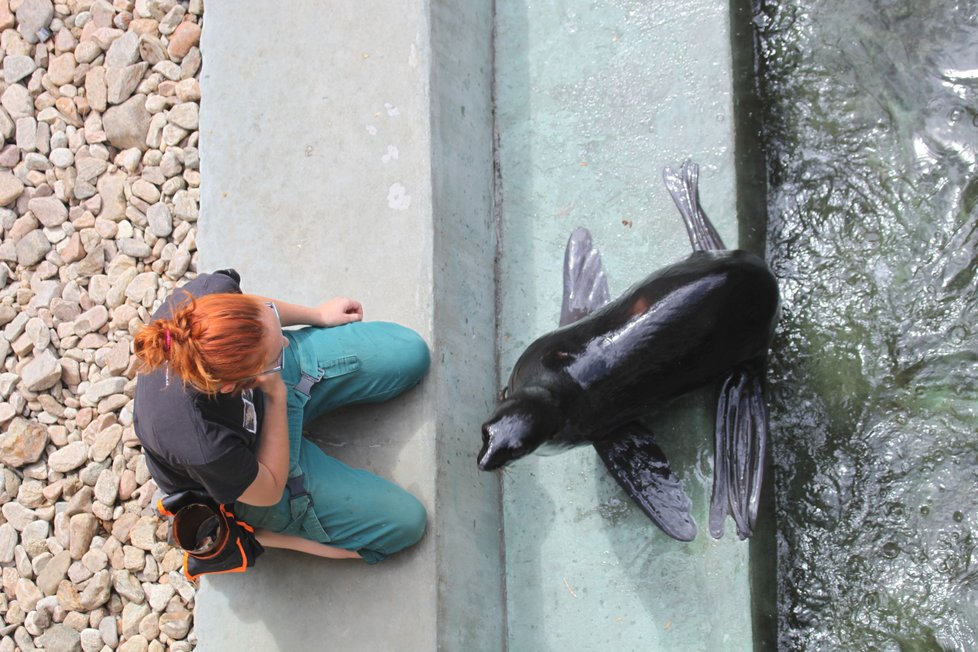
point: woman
(225, 393)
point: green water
(870, 130)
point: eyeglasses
(280, 362)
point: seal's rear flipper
(741, 439)
(642, 470)
(684, 188)
(585, 285)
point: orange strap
(162, 510)
(240, 569)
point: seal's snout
(497, 447)
(514, 431)
(485, 455)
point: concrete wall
(468, 525)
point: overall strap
(300, 501)
(294, 414)
(302, 371)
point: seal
(707, 319)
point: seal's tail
(684, 188)
(741, 439)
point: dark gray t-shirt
(192, 441)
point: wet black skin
(684, 326)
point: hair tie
(169, 339)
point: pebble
(149, 626)
(185, 115)
(27, 593)
(184, 37)
(32, 248)
(17, 101)
(17, 515)
(98, 590)
(23, 443)
(10, 188)
(16, 67)
(42, 372)
(32, 538)
(62, 157)
(91, 640)
(143, 532)
(121, 83)
(49, 211)
(69, 457)
(92, 320)
(6, 17)
(111, 190)
(87, 51)
(81, 530)
(151, 49)
(137, 643)
(32, 16)
(96, 88)
(8, 541)
(146, 191)
(126, 585)
(95, 560)
(61, 69)
(60, 638)
(176, 624)
(158, 595)
(107, 487)
(124, 51)
(108, 629)
(126, 125)
(105, 442)
(103, 388)
(53, 572)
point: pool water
(870, 129)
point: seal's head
(519, 425)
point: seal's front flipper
(585, 285)
(684, 188)
(741, 439)
(641, 468)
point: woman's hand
(338, 311)
(271, 385)
(334, 312)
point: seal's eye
(503, 393)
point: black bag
(212, 539)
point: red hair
(209, 342)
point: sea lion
(706, 319)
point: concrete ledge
(468, 520)
(339, 159)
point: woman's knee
(409, 522)
(407, 353)
(417, 357)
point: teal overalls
(326, 500)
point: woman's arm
(273, 449)
(334, 312)
(271, 539)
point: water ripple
(871, 130)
